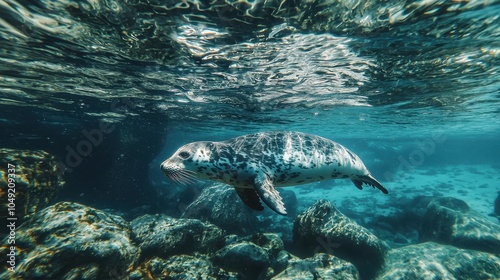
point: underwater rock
(450, 221)
(179, 267)
(397, 229)
(220, 205)
(323, 228)
(163, 236)
(73, 241)
(137, 212)
(418, 207)
(270, 242)
(281, 225)
(37, 180)
(246, 258)
(273, 245)
(320, 266)
(437, 261)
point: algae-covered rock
(246, 258)
(181, 267)
(274, 247)
(451, 221)
(436, 261)
(33, 177)
(322, 228)
(163, 236)
(270, 242)
(320, 266)
(219, 204)
(72, 241)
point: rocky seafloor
(217, 237)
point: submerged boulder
(323, 228)
(219, 204)
(73, 241)
(181, 267)
(274, 247)
(320, 266)
(270, 242)
(436, 261)
(35, 180)
(246, 258)
(163, 236)
(450, 221)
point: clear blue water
(381, 77)
(385, 73)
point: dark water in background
(150, 76)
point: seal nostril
(163, 167)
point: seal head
(256, 164)
(181, 166)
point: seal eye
(184, 155)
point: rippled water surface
(404, 67)
(368, 70)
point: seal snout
(177, 173)
(164, 167)
(167, 168)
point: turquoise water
(113, 88)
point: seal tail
(369, 180)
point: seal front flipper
(266, 191)
(369, 180)
(358, 183)
(250, 198)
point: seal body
(257, 163)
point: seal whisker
(188, 176)
(183, 176)
(173, 176)
(176, 177)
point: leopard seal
(256, 164)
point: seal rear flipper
(369, 180)
(266, 191)
(250, 198)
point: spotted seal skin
(255, 164)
